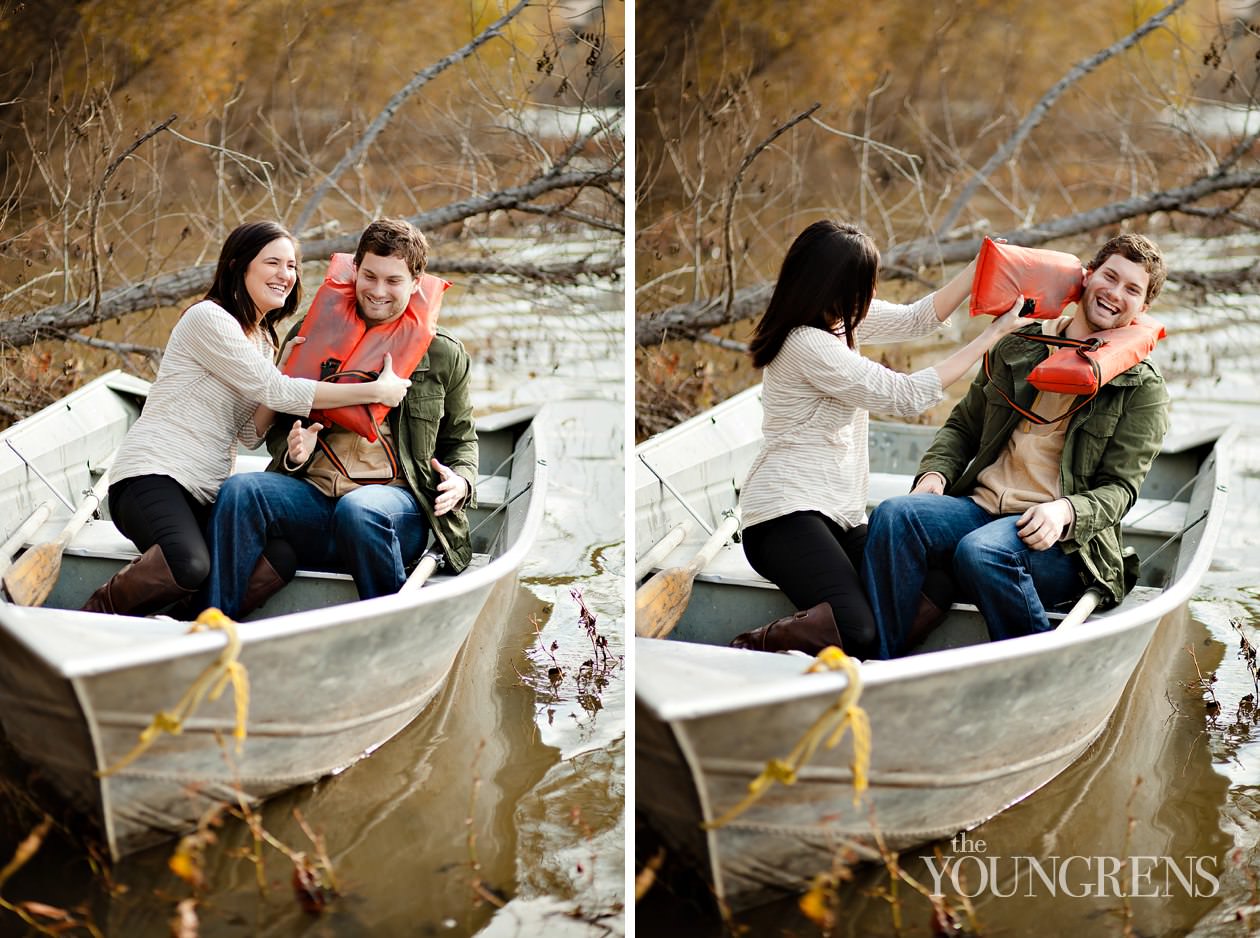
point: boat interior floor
(99, 550)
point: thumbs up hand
(389, 387)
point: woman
(216, 387)
(803, 505)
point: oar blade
(33, 575)
(661, 601)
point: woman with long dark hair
(803, 505)
(217, 387)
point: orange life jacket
(340, 346)
(1083, 366)
(1050, 279)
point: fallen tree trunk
(687, 319)
(176, 287)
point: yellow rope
(225, 669)
(828, 730)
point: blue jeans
(373, 533)
(1009, 582)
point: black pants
(158, 510)
(812, 559)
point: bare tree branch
(509, 198)
(733, 345)
(1217, 281)
(1042, 108)
(688, 319)
(562, 211)
(539, 273)
(151, 352)
(734, 189)
(382, 119)
(95, 208)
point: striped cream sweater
(816, 394)
(212, 379)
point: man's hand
(452, 489)
(302, 442)
(1042, 526)
(931, 483)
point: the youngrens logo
(971, 873)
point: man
(333, 500)
(1027, 516)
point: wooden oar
(23, 534)
(662, 600)
(661, 549)
(424, 569)
(1081, 611)
(30, 580)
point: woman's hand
(389, 388)
(1009, 321)
(956, 365)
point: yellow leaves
(816, 903)
(646, 877)
(184, 865)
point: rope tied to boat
(827, 730)
(209, 685)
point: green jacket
(1107, 451)
(434, 419)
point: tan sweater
(361, 459)
(1028, 470)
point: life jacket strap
(390, 454)
(1081, 346)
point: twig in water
(1212, 705)
(1247, 652)
(1126, 907)
(599, 644)
(60, 921)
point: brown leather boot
(143, 586)
(810, 631)
(263, 583)
(926, 618)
